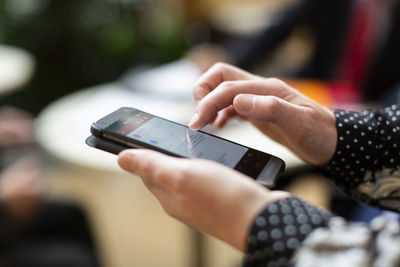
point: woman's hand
(205, 195)
(275, 108)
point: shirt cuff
(354, 150)
(280, 229)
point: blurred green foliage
(79, 43)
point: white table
(16, 68)
(125, 215)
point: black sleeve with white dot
(367, 151)
(279, 230)
(367, 146)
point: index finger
(217, 74)
(226, 92)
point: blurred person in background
(355, 42)
(35, 231)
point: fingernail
(193, 120)
(245, 102)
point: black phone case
(114, 148)
(105, 145)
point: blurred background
(76, 44)
(66, 210)
(65, 64)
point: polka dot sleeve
(367, 163)
(279, 230)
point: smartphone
(133, 128)
(105, 145)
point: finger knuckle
(226, 85)
(221, 66)
(271, 104)
(209, 107)
(275, 82)
(200, 91)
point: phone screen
(177, 138)
(129, 127)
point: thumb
(266, 108)
(144, 162)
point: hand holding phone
(132, 128)
(206, 196)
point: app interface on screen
(180, 140)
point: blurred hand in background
(206, 55)
(16, 127)
(21, 189)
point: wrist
(253, 208)
(329, 143)
(279, 230)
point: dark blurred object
(205, 55)
(34, 231)
(392, 97)
(82, 43)
(329, 26)
(326, 21)
(58, 235)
